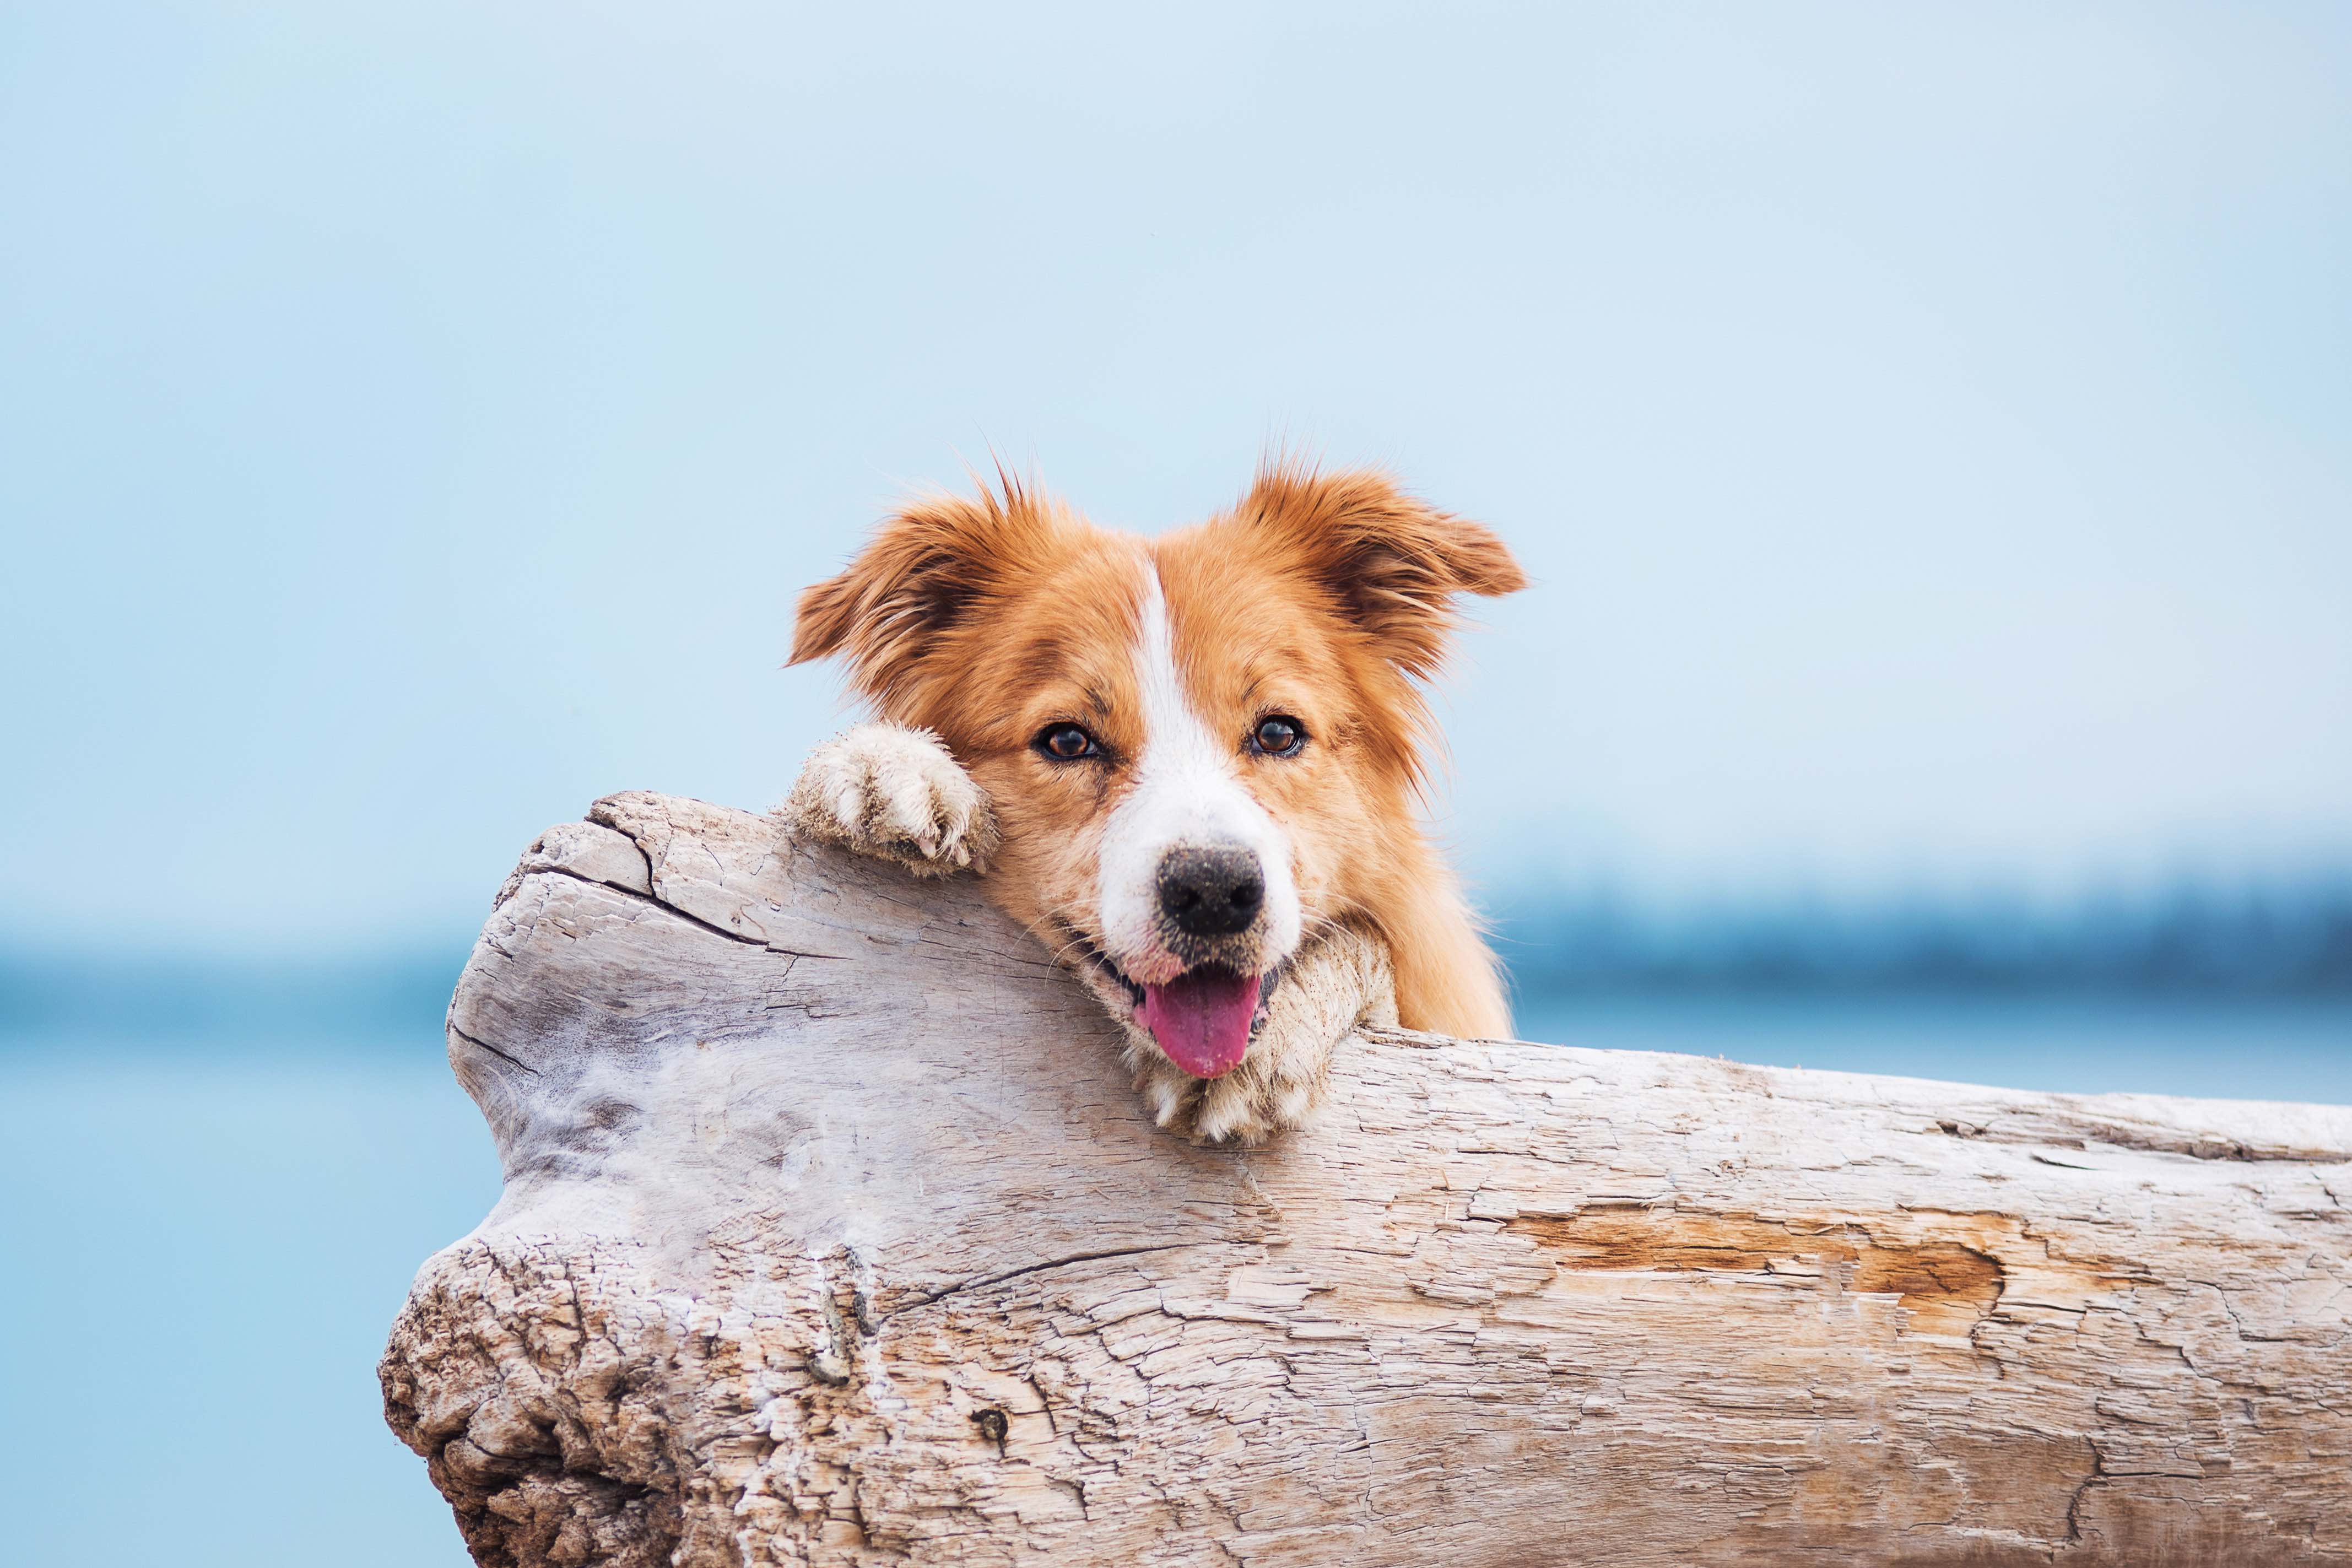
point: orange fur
(1328, 597)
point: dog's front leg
(896, 794)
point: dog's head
(1202, 749)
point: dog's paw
(893, 793)
(1272, 1091)
(1343, 983)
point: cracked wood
(831, 1233)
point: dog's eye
(1067, 743)
(1278, 735)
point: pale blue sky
(1930, 430)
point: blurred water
(2227, 1047)
(203, 1241)
(202, 1246)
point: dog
(1191, 765)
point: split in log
(832, 1233)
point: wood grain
(832, 1234)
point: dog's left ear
(1393, 562)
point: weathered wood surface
(832, 1234)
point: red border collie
(1191, 765)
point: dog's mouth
(1202, 1020)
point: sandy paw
(895, 793)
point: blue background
(1929, 430)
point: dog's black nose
(1210, 891)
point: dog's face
(1197, 747)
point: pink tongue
(1203, 1019)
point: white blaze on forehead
(1188, 792)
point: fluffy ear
(1393, 563)
(923, 572)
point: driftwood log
(834, 1234)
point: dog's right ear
(922, 572)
